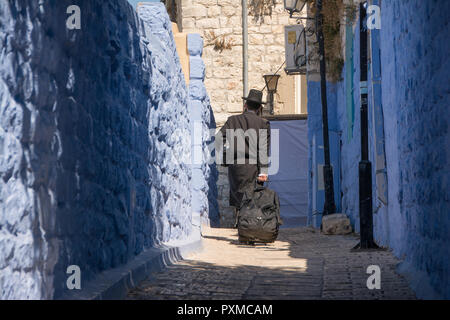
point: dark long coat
(242, 177)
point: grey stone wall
(94, 141)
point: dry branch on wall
(261, 8)
(336, 13)
(220, 43)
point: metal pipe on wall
(330, 206)
(365, 166)
(245, 47)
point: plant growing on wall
(350, 10)
(220, 43)
(336, 13)
(260, 8)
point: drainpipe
(329, 206)
(245, 47)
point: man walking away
(246, 138)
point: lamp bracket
(291, 15)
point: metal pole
(271, 101)
(365, 166)
(329, 207)
(245, 46)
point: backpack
(259, 216)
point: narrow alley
(155, 149)
(301, 264)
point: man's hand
(263, 178)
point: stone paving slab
(302, 264)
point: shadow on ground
(301, 264)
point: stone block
(188, 23)
(257, 50)
(269, 39)
(336, 224)
(235, 20)
(207, 23)
(236, 107)
(276, 51)
(277, 29)
(195, 11)
(223, 21)
(197, 90)
(196, 110)
(283, 20)
(214, 12)
(229, 11)
(195, 44)
(265, 29)
(197, 68)
(256, 39)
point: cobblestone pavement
(301, 264)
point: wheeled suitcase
(259, 216)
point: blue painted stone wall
(204, 170)
(94, 141)
(415, 100)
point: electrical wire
(296, 46)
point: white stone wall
(224, 68)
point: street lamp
(271, 85)
(294, 6)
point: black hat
(255, 96)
